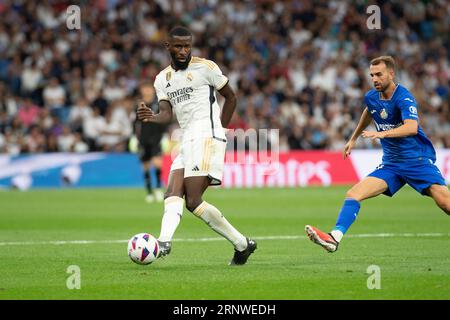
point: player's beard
(178, 64)
(383, 87)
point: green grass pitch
(285, 266)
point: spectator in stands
(298, 65)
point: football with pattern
(143, 248)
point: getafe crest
(383, 114)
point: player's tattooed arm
(409, 128)
(363, 123)
(146, 114)
(229, 105)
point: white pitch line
(295, 237)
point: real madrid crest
(189, 76)
(383, 114)
(168, 75)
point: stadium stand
(299, 66)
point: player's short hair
(180, 31)
(388, 61)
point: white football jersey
(191, 92)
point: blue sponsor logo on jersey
(413, 111)
(386, 126)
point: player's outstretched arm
(408, 128)
(229, 105)
(145, 114)
(364, 121)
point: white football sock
(173, 210)
(214, 218)
(337, 235)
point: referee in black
(149, 136)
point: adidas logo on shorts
(195, 168)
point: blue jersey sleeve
(366, 100)
(408, 107)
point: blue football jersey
(390, 114)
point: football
(143, 248)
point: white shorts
(202, 157)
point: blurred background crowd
(297, 66)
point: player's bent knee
(171, 193)
(442, 199)
(192, 203)
(350, 194)
(445, 205)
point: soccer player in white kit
(187, 87)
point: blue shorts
(420, 176)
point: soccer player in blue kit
(408, 155)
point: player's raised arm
(364, 121)
(164, 115)
(229, 105)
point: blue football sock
(347, 216)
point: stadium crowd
(299, 66)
